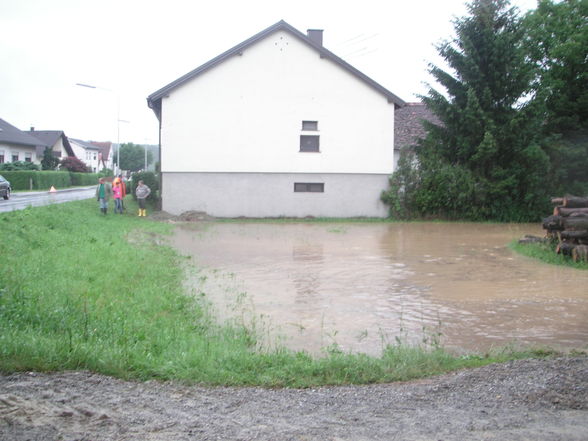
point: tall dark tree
(483, 160)
(557, 42)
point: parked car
(4, 188)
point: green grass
(545, 252)
(79, 290)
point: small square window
(309, 187)
(310, 125)
(309, 143)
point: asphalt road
(21, 200)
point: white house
(16, 145)
(88, 153)
(276, 126)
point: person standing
(117, 193)
(142, 192)
(103, 194)
(123, 187)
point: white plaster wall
(78, 150)
(10, 149)
(245, 115)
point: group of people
(117, 191)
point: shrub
(150, 179)
(18, 165)
(73, 164)
(37, 180)
(84, 178)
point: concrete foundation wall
(272, 194)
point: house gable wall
(245, 115)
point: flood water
(362, 285)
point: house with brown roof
(278, 125)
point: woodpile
(569, 226)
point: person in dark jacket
(103, 194)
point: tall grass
(545, 252)
(79, 290)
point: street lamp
(118, 120)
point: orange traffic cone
(52, 190)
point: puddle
(360, 286)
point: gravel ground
(521, 400)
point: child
(142, 192)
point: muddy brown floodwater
(360, 286)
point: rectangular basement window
(309, 187)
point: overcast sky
(131, 48)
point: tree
(73, 164)
(49, 161)
(483, 160)
(132, 157)
(557, 42)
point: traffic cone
(52, 190)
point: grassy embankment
(545, 252)
(82, 291)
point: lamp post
(118, 121)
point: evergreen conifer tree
(483, 161)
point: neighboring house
(409, 128)
(276, 126)
(105, 156)
(54, 139)
(16, 145)
(87, 152)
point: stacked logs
(569, 226)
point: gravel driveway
(521, 400)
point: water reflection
(364, 285)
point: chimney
(315, 35)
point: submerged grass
(79, 290)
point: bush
(18, 165)
(37, 180)
(73, 164)
(84, 178)
(43, 180)
(150, 179)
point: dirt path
(523, 400)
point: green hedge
(84, 178)
(43, 180)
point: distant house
(55, 140)
(16, 145)
(409, 128)
(87, 152)
(276, 126)
(105, 156)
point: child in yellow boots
(142, 192)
